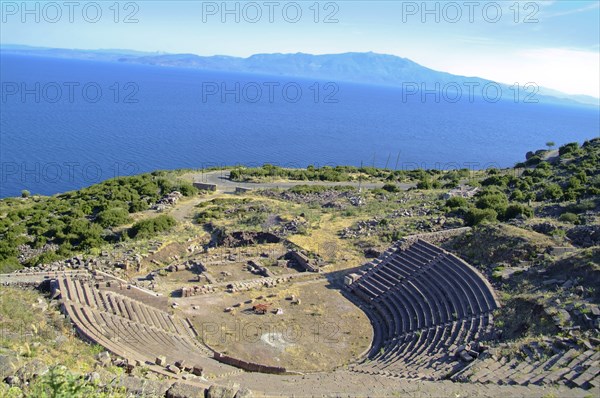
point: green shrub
(569, 217)
(518, 195)
(477, 216)
(113, 217)
(81, 233)
(593, 191)
(494, 200)
(187, 189)
(582, 206)
(391, 188)
(533, 161)
(543, 166)
(456, 202)
(9, 265)
(307, 189)
(568, 149)
(44, 258)
(379, 191)
(515, 210)
(255, 220)
(451, 184)
(311, 173)
(138, 205)
(496, 180)
(427, 183)
(152, 226)
(552, 191)
(60, 383)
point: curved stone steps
(570, 367)
(428, 302)
(131, 329)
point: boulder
(465, 356)
(104, 376)
(243, 393)
(130, 367)
(180, 364)
(12, 381)
(8, 366)
(60, 340)
(93, 377)
(181, 390)
(140, 387)
(220, 392)
(173, 369)
(473, 353)
(197, 370)
(56, 294)
(161, 361)
(544, 228)
(584, 235)
(104, 358)
(32, 370)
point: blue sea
(67, 124)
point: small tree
(25, 193)
(550, 145)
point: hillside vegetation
(37, 229)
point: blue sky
(552, 43)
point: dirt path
(185, 209)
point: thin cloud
(480, 40)
(570, 12)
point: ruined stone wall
(304, 261)
(436, 237)
(205, 187)
(248, 366)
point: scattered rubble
(167, 201)
(584, 235)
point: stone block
(181, 390)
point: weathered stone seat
(133, 330)
(428, 302)
(438, 297)
(571, 367)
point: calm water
(63, 136)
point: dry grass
(33, 330)
(325, 241)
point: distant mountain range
(364, 68)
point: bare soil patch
(323, 332)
